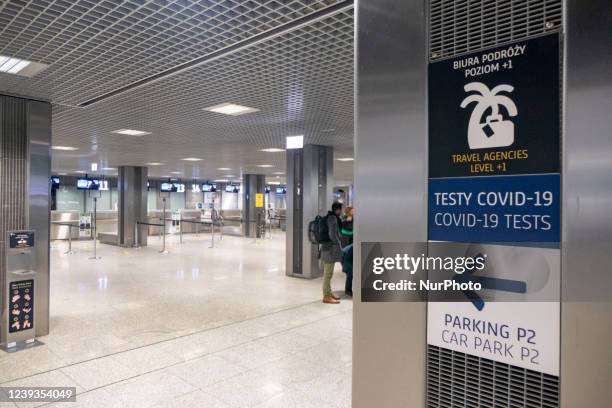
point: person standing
(331, 252)
(346, 233)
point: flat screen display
(168, 188)
(83, 184)
(55, 182)
(88, 184)
(209, 188)
(232, 189)
(281, 190)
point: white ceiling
(300, 79)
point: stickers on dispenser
(21, 306)
(497, 111)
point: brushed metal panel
(586, 312)
(39, 208)
(309, 193)
(390, 194)
(132, 189)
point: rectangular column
(252, 210)
(390, 183)
(132, 189)
(25, 171)
(586, 309)
(309, 193)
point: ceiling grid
(301, 81)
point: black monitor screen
(232, 189)
(168, 188)
(281, 190)
(83, 184)
(55, 182)
(209, 188)
(88, 184)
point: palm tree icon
(495, 131)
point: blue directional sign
(500, 209)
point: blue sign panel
(495, 209)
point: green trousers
(328, 272)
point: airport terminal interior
(234, 203)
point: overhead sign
(496, 111)
(495, 209)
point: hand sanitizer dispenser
(18, 299)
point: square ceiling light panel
(231, 109)
(131, 132)
(20, 67)
(272, 150)
(295, 142)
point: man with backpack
(331, 251)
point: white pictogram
(494, 131)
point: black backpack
(318, 233)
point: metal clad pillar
(252, 184)
(390, 181)
(586, 309)
(25, 171)
(309, 193)
(132, 189)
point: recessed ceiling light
(274, 183)
(20, 67)
(265, 165)
(230, 176)
(345, 159)
(62, 174)
(80, 172)
(176, 172)
(109, 168)
(221, 181)
(272, 150)
(192, 159)
(67, 148)
(223, 168)
(278, 172)
(131, 132)
(231, 109)
(295, 142)
(154, 164)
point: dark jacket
(346, 232)
(332, 251)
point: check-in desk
(107, 224)
(232, 222)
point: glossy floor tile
(198, 327)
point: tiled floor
(197, 327)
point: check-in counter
(58, 231)
(232, 222)
(191, 215)
(107, 223)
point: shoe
(330, 300)
(349, 293)
(335, 297)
